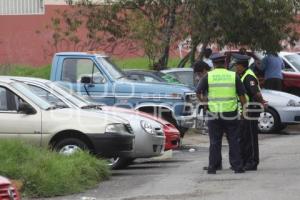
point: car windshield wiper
(57, 106)
(52, 107)
(92, 106)
(123, 76)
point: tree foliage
(258, 24)
(157, 24)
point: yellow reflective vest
(222, 91)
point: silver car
(149, 135)
(283, 108)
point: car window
(44, 94)
(287, 67)
(135, 77)
(74, 69)
(184, 77)
(150, 79)
(294, 59)
(111, 67)
(8, 100)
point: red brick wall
(20, 44)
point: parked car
(291, 71)
(8, 190)
(150, 76)
(26, 116)
(94, 75)
(283, 108)
(149, 131)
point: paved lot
(181, 177)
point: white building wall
(22, 7)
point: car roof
(91, 53)
(177, 70)
(22, 78)
(284, 53)
(5, 79)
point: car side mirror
(25, 108)
(86, 80)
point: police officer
(248, 126)
(223, 87)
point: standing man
(222, 88)
(200, 69)
(207, 53)
(248, 126)
(272, 66)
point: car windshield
(294, 59)
(69, 94)
(23, 88)
(168, 78)
(185, 77)
(111, 67)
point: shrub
(45, 173)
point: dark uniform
(249, 126)
(222, 122)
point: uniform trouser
(249, 142)
(216, 129)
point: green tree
(258, 24)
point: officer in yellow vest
(221, 88)
(248, 126)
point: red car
(7, 190)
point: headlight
(116, 128)
(293, 103)
(147, 127)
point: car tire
(269, 121)
(120, 162)
(69, 146)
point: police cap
(241, 59)
(218, 57)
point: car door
(16, 125)
(76, 71)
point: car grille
(7, 192)
(129, 128)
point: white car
(27, 117)
(149, 135)
(283, 108)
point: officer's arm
(253, 88)
(202, 88)
(243, 100)
(241, 91)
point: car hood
(150, 88)
(135, 112)
(278, 98)
(88, 117)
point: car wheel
(69, 146)
(268, 121)
(119, 162)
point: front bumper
(172, 138)
(289, 115)
(148, 145)
(110, 145)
